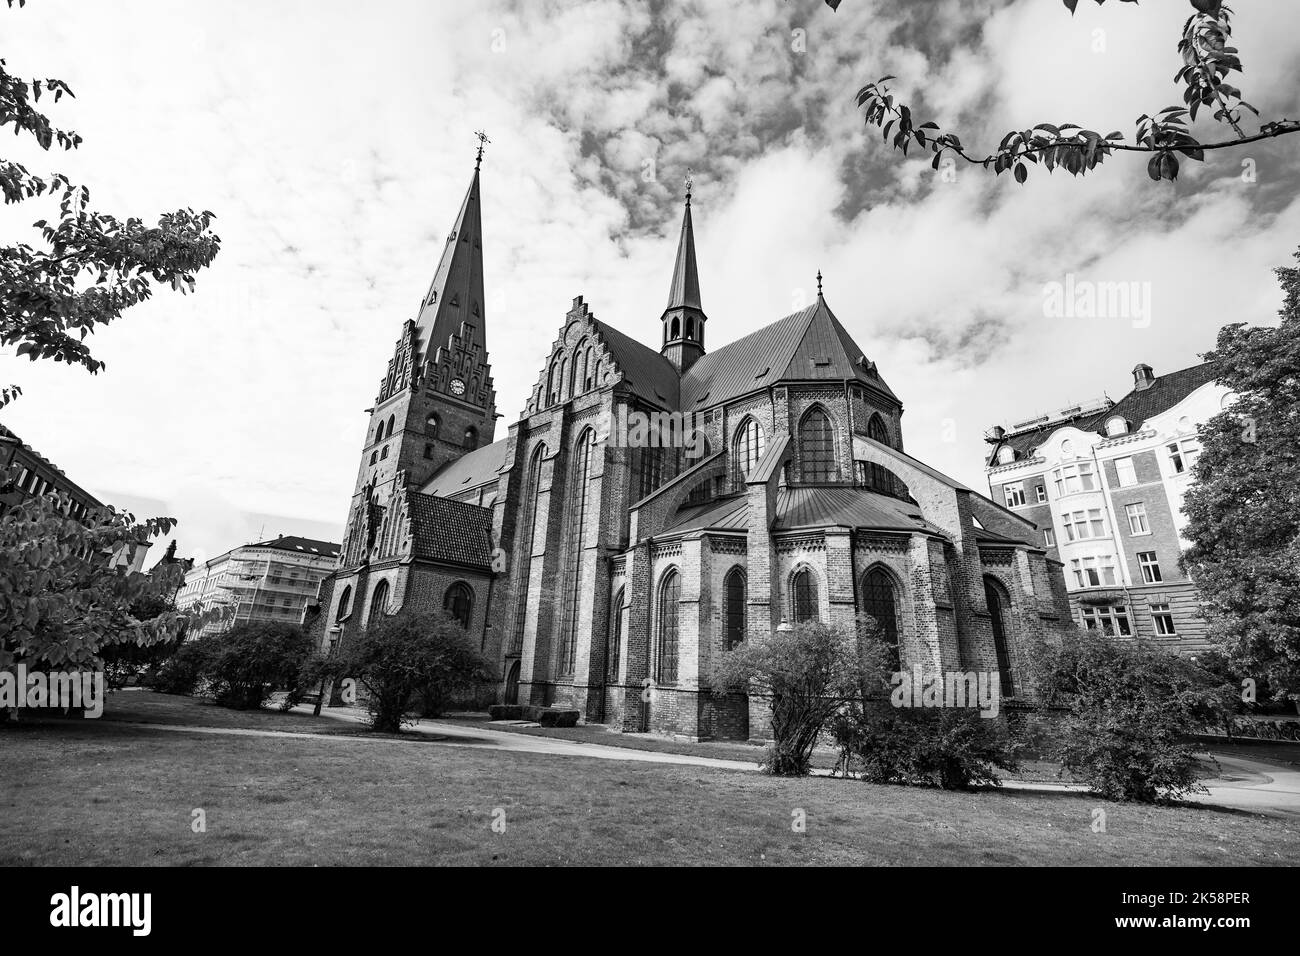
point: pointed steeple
(455, 297)
(684, 319)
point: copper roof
(468, 471)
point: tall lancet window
(817, 447)
(578, 522)
(670, 595)
(524, 558)
(750, 443)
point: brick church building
(607, 575)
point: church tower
(684, 319)
(436, 401)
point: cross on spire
(482, 141)
(690, 184)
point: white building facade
(270, 581)
(1105, 484)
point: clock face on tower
(457, 387)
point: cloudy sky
(334, 142)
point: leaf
(1022, 172)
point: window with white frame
(1183, 454)
(1137, 518)
(1094, 572)
(1015, 494)
(1080, 476)
(1111, 619)
(1041, 492)
(1125, 473)
(1164, 620)
(1081, 525)
(1049, 539)
(1150, 566)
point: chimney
(999, 432)
(1143, 377)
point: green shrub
(1129, 707)
(949, 747)
(808, 673)
(183, 671)
(410, 655)
(251, 661)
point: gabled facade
(1105, 485)
(611, 568)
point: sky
(334, 141)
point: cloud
(335, 148)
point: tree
(407, 654)
(246, 664)
(1243, 508)
(808, 673)
(91, 266)
(1129, 707)
(64, 596)
(1208, 60)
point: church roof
(648, 374)
(798, 508)
(456, 293)
(468, 471)
(449, 531)
(810, 344)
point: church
(607, 575)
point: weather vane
(482, 141)
(819, 283)
(690, 184)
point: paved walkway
(1243, 784)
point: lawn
(107, 792)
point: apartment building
(268, 581)
(1104, 482)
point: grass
(106, 792)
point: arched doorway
(512, 683)
(999, 603)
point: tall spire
(685, 290)
(684, 319)
(455, 297)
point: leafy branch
(93, 266)
(1208, 60)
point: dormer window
(1116, 425)
(1006, 455)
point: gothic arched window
(733, 608)
(383, 454)
(345, 604)
(670, 594)
(378, 602)
(878, 477)
(747, 449)
(431, 425)
(876, 429)
(676, 329)
(389, 432)
(803, 596)
(999, 603)
(577, 518)
(524, 561)
(579, 381)
(879, 601)
(471, 437)
(458, 602)
(615, 636)
(817, 447)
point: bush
(410, 654)
(182, 672)
(1129, 708)
(808, 673)
(953, 748)
(248, 663)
